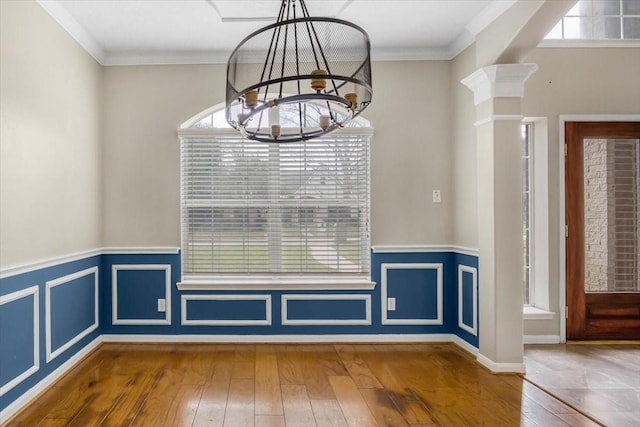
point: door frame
(562, 280)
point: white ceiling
(125, 32)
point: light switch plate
(437, 196)
(162, 305)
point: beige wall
(50, 106)
(410, 156)
(464, 164)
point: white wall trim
(257, 283)
(35, 391)
(75, 30)
(14, 296)
(464, 345)
(571, 43)
(473, 329)
(495, 367)
(184, 320)
(541, 339)
(563, 118)
(424, 249)
(498, 118)
(498, 81)
(113, 250)
(439, 293)
(47, 309)
(293, 338)
(14, 270)
(339, 297)
(115, 320)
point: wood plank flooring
(302, 385)
(603, 380)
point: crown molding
(110, 58)
(75, 30)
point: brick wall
(612, 219)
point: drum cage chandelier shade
(299, 78)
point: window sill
(265, 283)
(534, 313)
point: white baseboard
(541, 339)
(361, 338)
(516, 368)
(47, 381)
(464, 345)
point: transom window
(600, 20)
(274, 209)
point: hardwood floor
(603, 380)
(291, 385)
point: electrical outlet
(391, 304)
(162, 305)
(436, 196)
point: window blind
(250, 207)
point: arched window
(273, 209)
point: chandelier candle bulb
(325, 121)
(275, 131)
(318, 83)
(274, 116)
(353, 99)
(251, 99)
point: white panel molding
(35, 391)
(115, 320)
(47, 309)
(14, 270)
(185, 321)
(498, 81)
(563, 118)
(495, 367)
(541, 339)
(14, 296)
(473, 328)
(424, 249)
(328, 321)
(439, 293)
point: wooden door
(603, 230)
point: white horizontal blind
(250, 207)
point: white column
(498, 90)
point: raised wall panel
(71, 310)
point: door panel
(603, 219)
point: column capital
(498, 81)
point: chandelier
(299, 78)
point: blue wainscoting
(467, 298)
(53, 315)
(47, 316)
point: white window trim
(539, 274)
